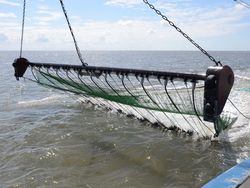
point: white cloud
(6, 2)
(149, 33)
(130, 3)
(7, 25)
(123, 2)
(205, 22)
(122, 34)
(46, 16)
(42, 39)
(7, 15)
(3, 38)
(43, 7)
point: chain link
(72, 33)
(184, 34)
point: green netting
(169, 103)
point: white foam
(241, 128)
(42, 101)
(152, 116)
(242, 77)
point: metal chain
(184, 34)
(72, 34)
(243, 3)
(23, 21)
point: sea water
(50, 139)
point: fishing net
(191, 103)
(170, 101)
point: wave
(242, 77)
(46, 100)
(239, 130)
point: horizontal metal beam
(123, 71)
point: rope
(23, 22)
(72, 34)
(238, 109)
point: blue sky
(125, 25)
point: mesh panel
(166, 102)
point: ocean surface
(50, 139)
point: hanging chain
(184, 34)
(23, 22)
(243, 3)
(73, 36)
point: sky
(125, 25)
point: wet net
(170, 101)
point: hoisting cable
(72, 34)
(217, 63)
(243, 3)
(22, 33)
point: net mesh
(168, 103)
